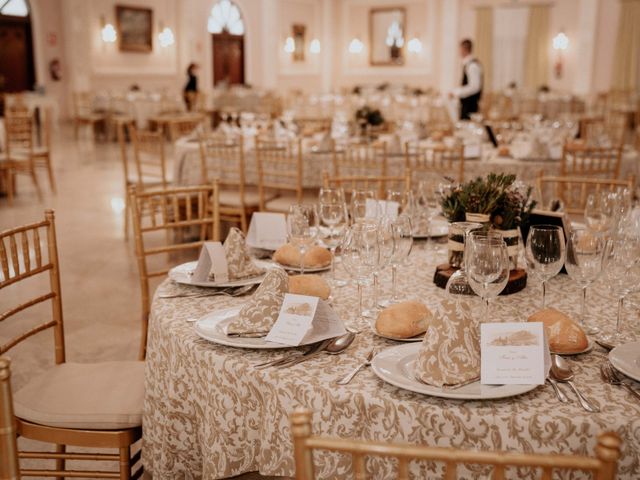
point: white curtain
(509, 42)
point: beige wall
(606, 33)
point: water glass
(334, 219)
(403, 241)
(302, 228)
(545, 253)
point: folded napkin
(450, 351)
(261, 311)
(239, 262)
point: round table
(209, 413)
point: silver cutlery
(350, 376)
(559, 393)
(561, 371)
(291, 356)
(227, 292)
(334, 347)
(612, 377)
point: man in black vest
(470, 90)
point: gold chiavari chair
(183, 125)
(438, 160)
(223, 159)
(9, 463)
(279, 174)
(311, 125)
(42, 152)
(160, 216)
(378, 184)
(603, 465)
(83, 113)
(574, 191)
(19, 148)
(361, 160)
(90, 405)
(149, 157)
(595, 162)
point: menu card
(212, 261)
(387, 208)
(513, 354)
(304, 319)
(267, 230)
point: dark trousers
(467, 107)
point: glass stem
(619, 318)
(375, 290)
(544, 292)
(487, 308)
(583, 308)
(302, 252)
(360, 310)
(333, 264)
(394, 278)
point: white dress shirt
(474, 78)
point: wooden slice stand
(517, 278)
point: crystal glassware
(545, 253)
(387, 242)
(358, 204)
(458, 283)
(403, 240)
(334, 219)
(302, 228)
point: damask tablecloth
(209, 414)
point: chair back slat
(378, 184)
(279, 167)
(24, 243)
(603, 465)
(149, 157)
(595, 162)
(361, 160)
(9, 463)
(439, 160)
(165, 211)
(19, 134)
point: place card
(267, 230)
(212, 261)
(375, 207)
(513, 354)
(304, 319)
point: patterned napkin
(261, 311)
(239, 262)
(450, 352)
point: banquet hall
(332, 239)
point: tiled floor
(101, 300)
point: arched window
(14, 8)
(225, 16)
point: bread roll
(403, 320)
(315, 257)
(313, 285)
(564, 335)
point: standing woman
(191, 88)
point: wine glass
(387, 241)
(403, 240)
(487, 266)
(302, 228)
(545, 253)
(360, 254)
(334, 219)
(358, 204)
(621, 267)
(600, 211)
(427, 206)
(585, 253)
(404, 199)
(458, 283)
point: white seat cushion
(282, 204)
(92, 396)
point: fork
(611, 376)
(228, 292)
(350, 376)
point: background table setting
(217, 402)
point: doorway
(17, 71)
(228, 58)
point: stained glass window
(225, 15)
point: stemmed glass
(404, 199)
(545, 253)
(387, 240)
(598, 212)
(585, 253)
(358, 204)
(487, 266)
(360, 254)
(403, 240)
(302, 228)
(334, 219)
(621, 268)
(458, 283)
(426, 208)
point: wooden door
(16, 55)
(228, 58)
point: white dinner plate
(211, 327)
(291, 268)
(395, 365)
(437, 229)
(626, 358)
(182, 274)
(417, 338)
(586, 350)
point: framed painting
(135, 28)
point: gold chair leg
(60, 462)
(52, 182)
(125, 463)
(34, 179)
(126, 216)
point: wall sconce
(107, 33)
(166, 37)
(289, 45)
(356, 46)
(414, 45)
(314, 46)
(560, 44)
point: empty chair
(361, 160)
(149, 157)
(183, 125)
(83, 113)
(437, 160)
(603, 465)
(9, 463)
(594, 162)
(91, 405)
(19, 149)
(376, 183)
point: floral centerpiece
(497, 201)
(367, 117)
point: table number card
(212, 260)
(267, 230)
(304, 319)
(513, 354)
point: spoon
(334, 347)
(561, 371)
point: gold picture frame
(381, 22)
(135, 28)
